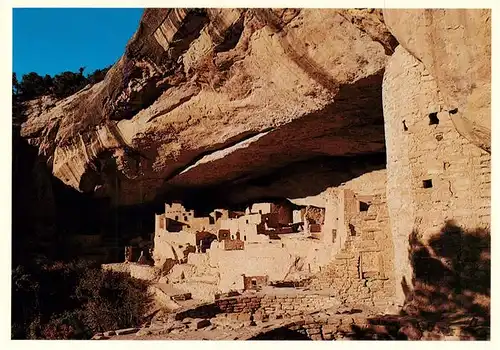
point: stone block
(143, 331)
(299, 323)
(328, 336)
(329, 328)
(258, 316)
(246, 316)
(109, 333)
(344, 327)
(99, 337)
(200, 323)
(314, 329)
(345, 256)
(126, 331)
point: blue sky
(54, 40)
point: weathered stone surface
(450, 168)
(233, 99)
(203, 97)
(201, 323)
(455, 48)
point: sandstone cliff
(233, 106)
(455, 47)
(204, 98)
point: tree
(67, 83)
(61, 85)
(98, 75)
(48, 84)
(31, 86)
(15, 84)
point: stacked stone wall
(362, 272)
(433, 173)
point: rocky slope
(206, 98)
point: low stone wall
(362, 326)
(318, 327)
(287, 305)
(142, 272)
(361, 272)
(263, 306)
(239, 304)
(117, 267)
(233, 244)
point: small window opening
(247, 221)
(405, 128)
(244, 238)
(176, 218)
(427, 183)
(352, 229)
(185, 218)
(260, 211)
(363, 206)
(232, 236)
(433, 119)
(254, 283)
(453, 111)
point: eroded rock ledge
(205, 97)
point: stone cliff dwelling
(267, 241)
(292, 161)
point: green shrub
(73, 301)
(112, 300)
(61, 85)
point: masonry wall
(420, 149)
(170, 246)
(233, 244)
(263, 306)
(280, 260)
(362, 271)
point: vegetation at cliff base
(74, 301)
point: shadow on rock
(449, 295)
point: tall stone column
(433, 173)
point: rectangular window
(363, 206)
(427, 183)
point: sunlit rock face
(455, 48)
(217, 97)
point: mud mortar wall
(362, 272)
(277, 306)
(434, 174)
